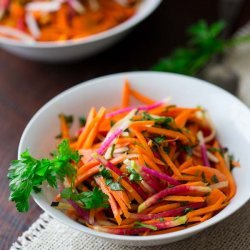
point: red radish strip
(108, 140)
(181, 189)
(140, 108)
(203, 149)
(111, 166)
(147, 187)
(153, 106)
(132, 231)
(51, 6)
(7, 31)
(20, 24)
(115, 131)
(121, 231)
(82, 213)
(170, 213)
(118, 112)
(167, 224)
(161, 176)
(151, 182)
(32, 25)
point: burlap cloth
(233, 233)
(48, 234)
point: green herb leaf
(161, 219)
(115, 186)
(187, 149)
(112, 151)
(134, 176)
(204, 42)
(187, 210)
(82, 121)
(203, 176)
(143, 225)
(159, 139)
(104, 172)
(89, 199)
(158, 120)
(68, 118)
(94, 199)
(214, 179)
(108, 181)
(29, 174)
(219, 150)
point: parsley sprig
(28, 174)
(203, 44)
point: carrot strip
(120, 202)
(186, 164)
(125, 94)
(100, 181)
(86, 175)
(92, 134)
(143, 142)
(208, 209)
(135, 195)
(141, 124)
(169, 162)
(168, 133)
(163, 208)
(221, 166)
(185, 198)
(89, 124)
(64, 127)
(182, 118)
(150, 163)
(140, 97)
(206, 173)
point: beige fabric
(48, 234)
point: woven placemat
(48, 234)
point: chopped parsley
(214, 179)
(89, 199)
(82, 121)
(143, 225)
(134, 176)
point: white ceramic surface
(81, 48)
(230, 116)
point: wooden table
(25, 85)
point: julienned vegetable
(145, 170)
(60, 20)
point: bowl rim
(147, 8)
(108, 236)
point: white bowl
(81, 48)
(231, 118)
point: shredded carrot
(151, 171)
(72, 20)
(125, 94)
(185, 198)
(140, 97)
(112, 202)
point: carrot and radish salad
(61, 20)
(146, 170)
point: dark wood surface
(25, 85)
